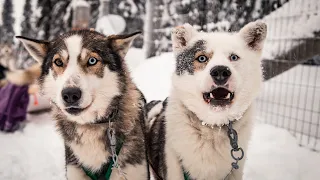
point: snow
(291, 101)
(111, 24)
(37, 152)
(17, 11)
(80, 3)
(275, 155)
(155, 82)
(296, 19)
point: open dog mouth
(218, 97)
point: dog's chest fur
(88, 143)
(90, 147)
(202, 151)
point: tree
(94, 8)
(27, 30)
(44, 19)
(233, 14)
(149, 30)
(54, 18)
(133, 11)
(59, 20)
(152, 32)
(1, 33)
(7, 23)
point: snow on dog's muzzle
(218, 97)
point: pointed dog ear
(36, 48)
(122, 43)
(181, 35)
(254, 34)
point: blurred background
(286, 141)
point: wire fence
(291, 95)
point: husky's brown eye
(234, 57)
(92, 61)
(202, 58)
(58, 62)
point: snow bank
(153, 77)
(36, 153)
(291, 101)
(296, 19)
(275, 155)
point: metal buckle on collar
(233, 137)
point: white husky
(217, 78)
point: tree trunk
(149, 43)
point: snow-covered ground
(37, 152)
(292, 101)
(295, 20)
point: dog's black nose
(220, 74)
(71, 96)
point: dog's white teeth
(228, 96)
(211, 95)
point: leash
(113, 160)
(233, 138)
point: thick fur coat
(218, 76)
(84, 75)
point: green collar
(186, 176)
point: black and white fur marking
(98, 93)
(177, 139)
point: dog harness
(115, 145)
(233, 138)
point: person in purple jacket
(14, 101)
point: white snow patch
(295, 20)
(36, 153)
(291, 101)
(17, 14)
(274, 154)
(80, 3)
(153, 77)
(134, 58)
(110, 24)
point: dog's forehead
(217, 41)
(75, 41)
(74, 45)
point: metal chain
(233, 137)
(113, 146)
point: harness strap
(185, 175)
(95, 176)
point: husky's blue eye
(202, 58)
(58, 62)
(234, 57)
(92, 61)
